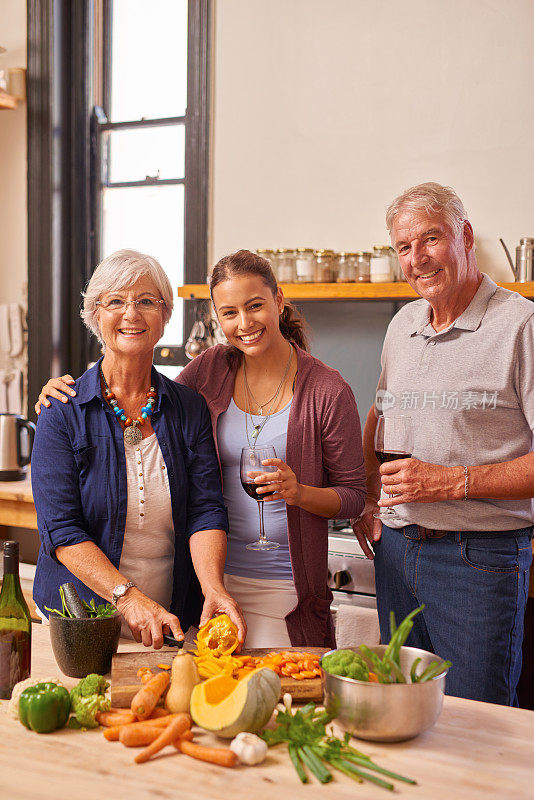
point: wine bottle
(15, 625)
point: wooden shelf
(7, 101)
(344, 291)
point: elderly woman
(125, 477)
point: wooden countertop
(474, 751)
(16, 504)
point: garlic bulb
(249, 748)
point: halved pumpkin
(227, 706)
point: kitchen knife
(171, 641)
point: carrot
(158, 712)
(141, 671)
(146, 676)
(145, 701)
(112, 734)
(180, 724)
(222, 756)
(163, 666)
(373, 678)
(188, 736)
(111, 718)
(138, 737)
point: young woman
(265, 381)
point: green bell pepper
(44, 707)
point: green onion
(433, 670)
(314, 764)
(413, 671)
(293, 755)
(347, 767)
(366, 762)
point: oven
(351, 575)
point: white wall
(13, 163)
(324, 110)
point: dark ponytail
(244, 262)
(293, 326)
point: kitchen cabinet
(475, 750)
(345, 291)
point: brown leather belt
(430, 533)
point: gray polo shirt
(469, 390)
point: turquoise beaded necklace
(132, 434)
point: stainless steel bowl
(384, 712)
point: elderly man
(460, 363)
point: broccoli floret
(87, 698)
(346, 663)
(85, 709)
(91, 684)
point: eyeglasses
(143, 304)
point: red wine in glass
(383, 458)
(251, 466)
(250, 489)
(393, 441)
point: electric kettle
(16, 440)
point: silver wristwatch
(120, 590)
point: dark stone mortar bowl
(82, 646)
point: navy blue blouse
(80, 487)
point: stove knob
(341, 578)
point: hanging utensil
(508, 256)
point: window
(144, 153)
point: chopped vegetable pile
(310, 748)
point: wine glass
(251, 467)
(393, 441)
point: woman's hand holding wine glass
(288, 488)
(252, 465)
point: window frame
(68, 44)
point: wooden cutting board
(125, 683)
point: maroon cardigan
(324, 448)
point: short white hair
(119, 271)
(431, 198)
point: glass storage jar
(324, 266)
(285, 265)
(398, 274)
(363, 261)
(305, 265)
(269, 256)
(347, 267)
(381, 271)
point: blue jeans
(474, 587)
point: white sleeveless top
(147, 556)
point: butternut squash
(184, 677)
